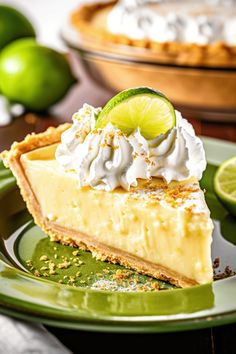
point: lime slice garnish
(225, 184)
(140, 107)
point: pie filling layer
(164, 225)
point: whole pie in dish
(125, 196)
(179, 32)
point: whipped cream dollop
(107, 158)
(83, 123)
(200, 22)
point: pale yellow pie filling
(169, 229)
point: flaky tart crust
(69, 237)
(217, 54)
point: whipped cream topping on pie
(180, 21)
(107, 158)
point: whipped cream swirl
(106, 158)
(184, 21)
(83, 122)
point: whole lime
(34, 75)
(13, 25)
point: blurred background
(186, 49)
(47, 17)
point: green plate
(46, 282)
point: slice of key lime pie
(122, 182)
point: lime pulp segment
(225, 184)
(151, 112)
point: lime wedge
(140, 107)
(225, 184)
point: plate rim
(216, 151)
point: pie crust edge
(217, 54)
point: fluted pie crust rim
(65, 236)
(217, 54)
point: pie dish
(187, 72)
(91, 22)
(156, 228)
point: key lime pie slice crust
(122, 182)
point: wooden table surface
(221, 340)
